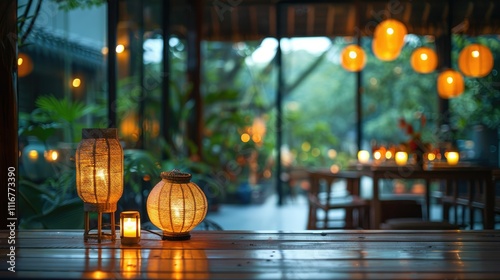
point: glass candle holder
(452, 158)
(401, 158)
(363, 156)
(130, 227)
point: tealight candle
(401, 158)
(452, 158)
(363, 156)
(130, 227)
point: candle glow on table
(363, 156)
(130, 226)
(401, 158)
(452, 158)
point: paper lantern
(475, 60)
(450, 83)
(130, 227)
(423, 60)
(353, 58)
(176, 205)
(99, 177)
(388, 39)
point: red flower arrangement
(415, 143)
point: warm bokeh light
(245, 137)
(363, 156)
(388, 154)
(120, 48)
(334, 168)
(452, 158)
(33, 155)
(104, 50)
(51, 155)
(332, 153)
(24, 65)
(401, 158)
(76, 82)
(388, 39)
(377, 155)
(431, 156)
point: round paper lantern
(99, 176)
(450, 83)
(388, 39)
(353, 58)
(383, 53)
(475, 60)
(176, 205)
(423, 60)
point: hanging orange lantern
(353, 58)
(423, 60)
(450, 83)
(176, 205)
(388, 39)
(475, 60)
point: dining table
(314, 254)
(449, 176)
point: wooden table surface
(335, 254)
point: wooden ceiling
(237, 20)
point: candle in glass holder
(452, 158)
(130, 227)
(363, 156)
(401, 158)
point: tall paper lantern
(423, 60)
(99, 177)
(475, 60)
(353, 58)
(388, 39)
(450, 83)
(176, 205)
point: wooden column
(194, 23)
(112, 77)
(8, 113)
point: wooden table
(334, 254)
(481, 175)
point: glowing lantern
(388, 39)
(401, 158)
(176, 205)
(99, 177)
(353, 58)
(450, 83)
(363, 156)
(452, 158)
(475, 60)
(423, 60)
(130, 227)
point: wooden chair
(323, 199)
(469, 199)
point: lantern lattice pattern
(176, 205)
(450, 83)
(99, 176)
(423, 60)
(353, 58)
(475, 60)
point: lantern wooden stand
(100, 235)
(99, 178)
